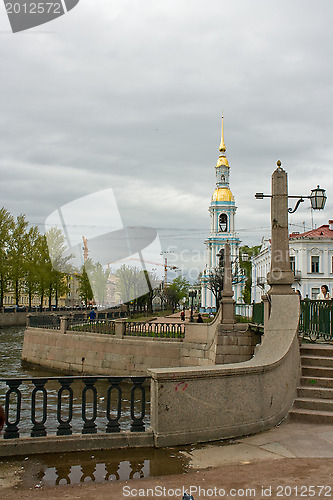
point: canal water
(79, 467)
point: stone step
(314, 404)
(314, 392)
(317, 350)
(314, 382)
(317, 372)
(317, 361)
(317, 417)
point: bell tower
(222, 211)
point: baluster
(113, 423)
(12, 430)
(64, 427)
(89, 424)
(137, 422)
(38, 427)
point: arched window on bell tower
(223, 223)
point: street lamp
(317, 198)
(192, 294)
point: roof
(318, 233)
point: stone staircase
(314, 402)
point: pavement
(288, 440)
(288, 460)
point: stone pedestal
(280, 276)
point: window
(315, 264)
(314, 293)
(223, 223)
(292, 264)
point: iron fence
(93, 399)
(316, 320)
(160, 330)
(92, 326)
(258, 313)
(48, 321)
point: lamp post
(192, 294)
(280, 277)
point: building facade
(311, 260)
(222, 211)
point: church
(222, 211)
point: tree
(98, 280)
(247, 266)
(176, 291)
(215, 283)
(6, 228)
(16, 256)
(31, 263)
(61, 266)
(85, 290)
(44, 269)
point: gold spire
(222, 147)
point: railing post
(12, 430)
(39, 426)
(64, 320)
(267, 308)
(28, 320)
(137, 422)
(120, 327)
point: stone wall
(118, 354)
(13, 319)
(92, 353)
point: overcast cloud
(128, 95)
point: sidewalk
(286, 461)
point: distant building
(222, 212)
(311, 260)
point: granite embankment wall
(119, 354)
(13, 319)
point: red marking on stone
(183, 388)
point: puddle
(99, 466)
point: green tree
(31, 263)
(44, 269)
(176, 291)
(6, 228)
(17, 256)
(61, 264)
(85, 291)
(247, 266)
(98, 280)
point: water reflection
(112, 465)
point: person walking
(92, 315)
(182, 315)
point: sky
(128, 96)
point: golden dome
(222, 194)
(222, 161)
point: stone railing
(159, 330)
